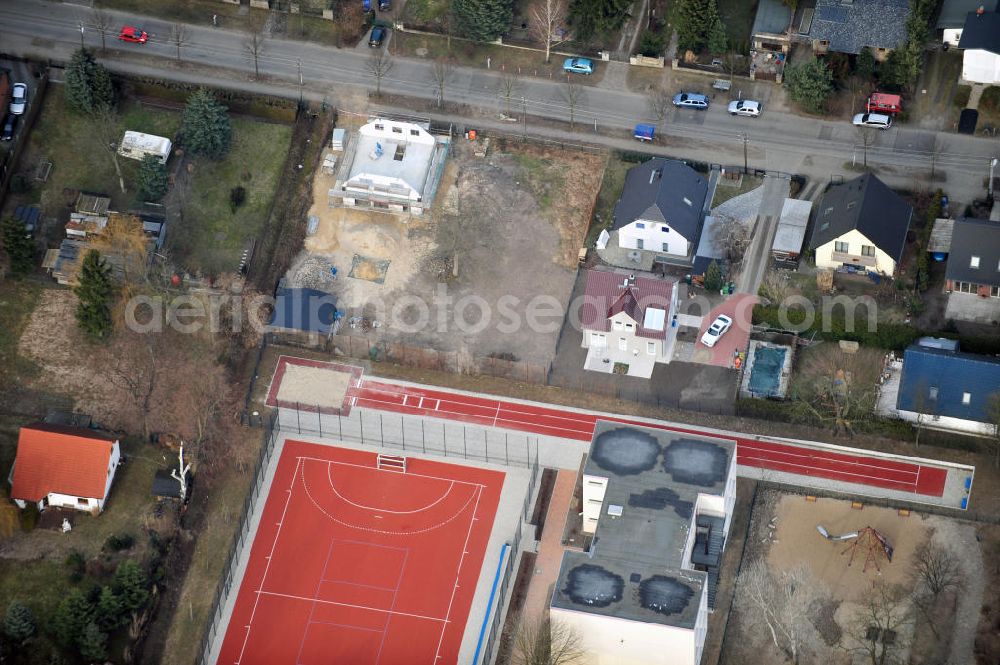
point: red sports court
(362, 559)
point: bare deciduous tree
(253, 44)
(509, 85)
(660, 101)
(838, 388)
(733, 236)
(542, 641)
(135, 371)
(108, 131)
(178, 37)
(103, 23)
(441, 73)
(877, 633)
(774, 287)
(546, 19)
(935, 571)
(866, 137)
(573, 95)
(784, 602)
(379, 66)
(180, 473)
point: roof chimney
(980, 11)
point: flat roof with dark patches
(633, 568)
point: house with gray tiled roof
(972, 278)
(980, 42)
(848, 26)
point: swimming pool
(765, 373)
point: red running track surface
(799, 459)
(355, 565)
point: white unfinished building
(658, 505)
(391, 165)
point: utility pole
(524, 120)
(81, 35)
(989, 185)
(746, 141)
(298, 64)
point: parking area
(17, 72)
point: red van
(881, 102)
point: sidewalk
(550, 548)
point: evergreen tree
(717, 41)
(93, 643)
(19, 246)
(865, 64)
(72, 616)
(94, 290)
(88, 84)
(694, 22)
(483, 20)
(153, 181)
(809, 84)
(205, 127)
(18, 623)
(130, 585)
(110, 612)
(713, 277)
(591, 18)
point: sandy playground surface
(314, 386)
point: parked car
(9, 124)
(691, 100)
(131, 33)
(715, 331)
(877, 120)
(377, 37)
(578, 66)
(384, 5)
(18, 98)
(746, 107)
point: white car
(746, 107)
(715, 331)
(876, 120)
(18, 98)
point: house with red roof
(629, 322)
(66, 467)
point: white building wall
(653, 238)
(979, 66)
(613, 641)
(594, 488)
(89, 504)
(948, 423)
(854, 239)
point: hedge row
(892, 336)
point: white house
(394, 167)
(661, 209)
(658, 506)
(628, 322)
(861, 223)
(981, 43)
(66, 467)
(136, 145)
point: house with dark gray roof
(661, 210)
(847, 26)
(981, 44)
(657, 506)
(942, 387)
(861, 223)
(972, 278)
(951, 19)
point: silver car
(18, 98)
(746, 107)
(876, 120)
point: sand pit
(313, 386)
(798, 542)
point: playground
(843, 549)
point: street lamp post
(298, 64)
(746, 141)
(81, 35)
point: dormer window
(974, 262)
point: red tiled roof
(66, 460)
(606, 295)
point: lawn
(611, 190)
(425, 13)
(17, 300)
(989, 108)
(78, 161)
(724, 192)
(544, 178)
(211, 237)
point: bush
(892, 336)
(651, 45)
(119, 542)
(153, 179)
(237, 197)
(76, 564)
(713, 276)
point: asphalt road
(778, 141)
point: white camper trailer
(136, 145)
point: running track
(550, 421)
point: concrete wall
(855, 239)
(613, 641)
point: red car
(130, 33)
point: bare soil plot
(516, 220)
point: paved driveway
(739, 307)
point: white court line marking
(267, 567)
(312, 610)
(458, 573)
(420, 404)
(305, 487)
(405, 398)
(353, 607)
(392, 606)
(372, 468)
(842, 473)
(451, 486)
